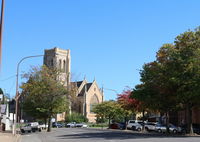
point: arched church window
(64, 66)
(60, 64)
(93, 102)
(52, 62)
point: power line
(8, 78)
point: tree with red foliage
(130, 105)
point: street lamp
(17, 95)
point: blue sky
(109, 40)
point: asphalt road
(95, 135)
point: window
(60, 64)
(94, 101)
(64, 66)
(51, 64)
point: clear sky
(109, 40)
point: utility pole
(1, 30)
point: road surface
(98, 135)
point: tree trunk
(143, 120)
(167, 122)
(125, 122)
(189, 119)
(45, 123)
(49, 125)
(109, 122)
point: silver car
(172, 129)
(150, 126)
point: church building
(86, 95)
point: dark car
(196, 128)
(122, 125)
(57, 125)
(117, 126)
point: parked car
(71, 125)
(150, 126)
(26, 128)
(30, 127)
(57, 125)
(135, 125)
(82, 125)
(172, 129)
(196, 128)
(117, 126)
(35, 126)
(43, 126)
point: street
(91, 135)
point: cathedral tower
(60, 59)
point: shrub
(76, 117)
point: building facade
(60, 59)
(86, 95)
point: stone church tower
(86, 96)
(60, 59)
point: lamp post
(17, 95)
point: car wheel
(183, 132)
(159, 131)
(174, 131)
(147, 129)
(133, 128)
(139, 129)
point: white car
(150, 126)
(134, 125)
(43, 126)
(26, 128)
(82, 125)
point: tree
(44, 95)
(158, 89)
(109, 110)
(188, 47)
(129, 105)
(173, 79)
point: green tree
(158, 89)
(173, 79)
(188, 73)
(44, 95)
(109, 110)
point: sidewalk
(8, 137)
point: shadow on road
(118, 135)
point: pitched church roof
(79, 83)
(85, 86)
(88, 85)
